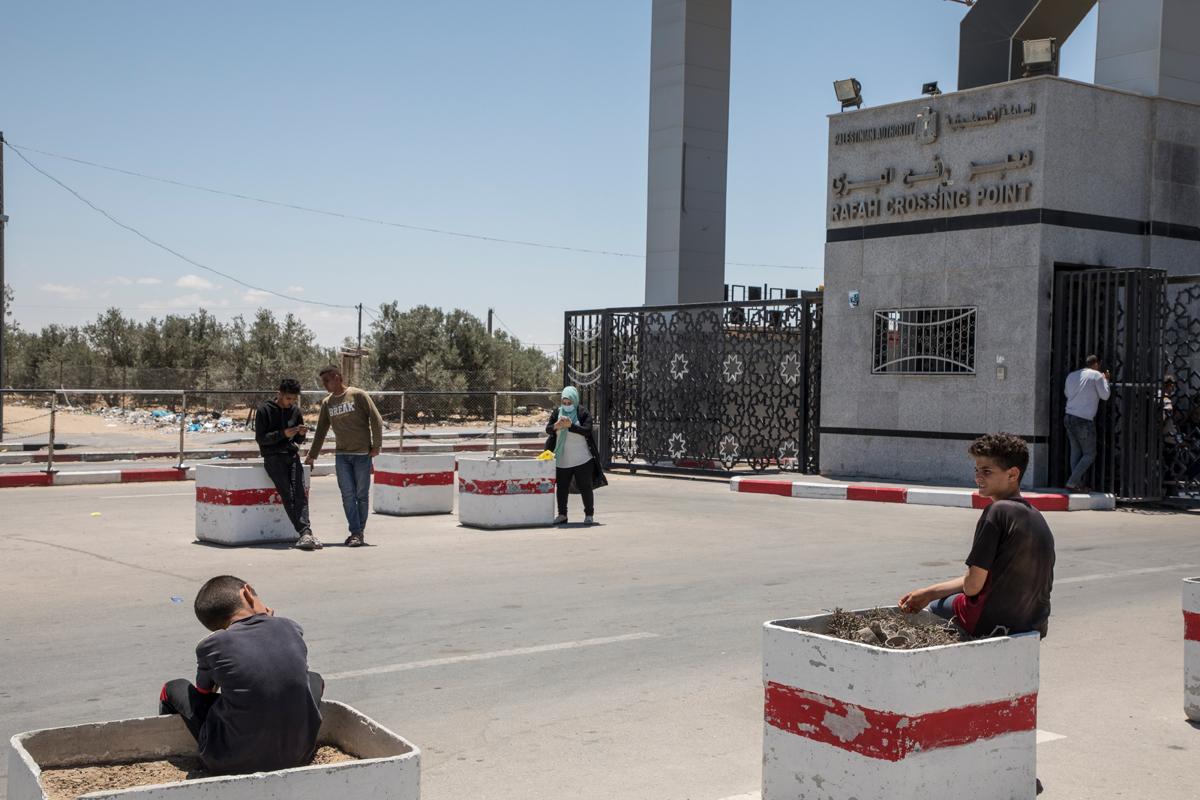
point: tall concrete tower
(1151, 47)
(689, 146)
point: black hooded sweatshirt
(269, 424)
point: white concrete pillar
(850, 721)
(688, 152)
(1191, 648)
(1150, 46)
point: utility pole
(3, 286)
(491, 313)
(360, 328)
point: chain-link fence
(193, 424)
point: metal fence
(176, 422)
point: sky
(522, 120)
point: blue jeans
(354, 480)
(1081, 433)
(944, 608)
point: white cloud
(255, 295)
(148, 281)
(121, 280)
(64, 290)
(194, 282)
(185, 301)
(294, 290)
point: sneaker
(308, 542)
(355, 540)
(561, 519)
(589, 520)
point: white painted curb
(1191, 648)
(240, 506)
(953, 498)
(820, 491)
(413, 484)
(846, 720)
(505, 492)
(388, 765)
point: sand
(68, 784)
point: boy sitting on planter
(1010, 569)
(266, 715)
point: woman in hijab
(575, 455)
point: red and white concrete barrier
(505, 492)
(914, 495)
(404, 485)
(1191, 648)
(386, 764)
(845, 720)
(239, 505)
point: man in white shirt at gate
(1085, 388)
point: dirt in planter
(68, 784)
(887, 627)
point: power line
(373, 220)
(159, 244)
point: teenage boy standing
(279, 430)
(358, 428)
(1010, 569)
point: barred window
(924, 341)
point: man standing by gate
(359, 430)
(1085, 388)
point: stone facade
(976, 209)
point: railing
(403, 409)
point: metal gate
(1181, 402)
(708, 387)
(1117, 314)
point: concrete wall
(1108, 168)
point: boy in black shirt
(266, 715)
(279, 428)
(1010, 569)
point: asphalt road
(618, 661)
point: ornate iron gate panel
(1181, 402)
(1117, 315)
(704, 386)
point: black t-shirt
(265, 717)
(1014, 544)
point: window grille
(924, 341)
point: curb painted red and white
(855, 720)
(917, 496)
(141, 475)
(250, 452)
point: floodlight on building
(1041, 57)
(931, 89)
(849, 93)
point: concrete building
(968, 203)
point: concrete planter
(405, 485)
(389, 767)
(505, 493)
(1191, 648)
(239, 505)
(845, 720)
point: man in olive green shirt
(358, 428)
